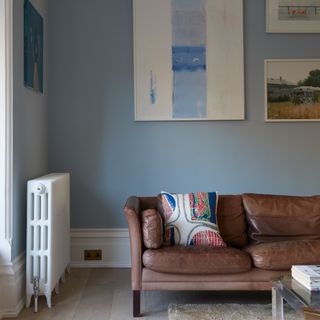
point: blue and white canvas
(33, 48)
(188, 60)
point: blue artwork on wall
(189, 58)
(33, 48)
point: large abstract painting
(33, 48)
(188, 60)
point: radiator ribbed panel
(48, 232)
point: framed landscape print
(33, 48)
(292, 90)
(188, 60)
(296, 16)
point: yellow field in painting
(287, 110)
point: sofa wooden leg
(136, 303)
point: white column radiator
(48, 235)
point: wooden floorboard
(105, 294)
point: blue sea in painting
(189, 59)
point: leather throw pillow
(152, 229)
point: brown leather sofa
(265, 236)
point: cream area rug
(226, 312)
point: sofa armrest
(132, 211)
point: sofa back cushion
(279, 218)
(231, 220)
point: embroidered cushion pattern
(190, 219)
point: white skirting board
(12, 287)
(114, 243)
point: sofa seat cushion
(197, 260)
(283, 254)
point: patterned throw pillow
(190, 219)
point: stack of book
(306, 282)
(308, 276)
(311, 297)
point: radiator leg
(136, 303)
(35, 304)
(28, 300)
(57, 288)
(48, 297)
(68, 268)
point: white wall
(3, 251)
(30, 153)
(30, 124)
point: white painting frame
(155, 81)
(292, 16)
(290, 76)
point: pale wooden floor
(105, 294)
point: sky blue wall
(92, 133)
(30, 126)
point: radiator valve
(41, 189)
